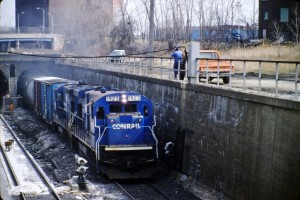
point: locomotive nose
(130, 164)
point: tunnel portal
(3, 86)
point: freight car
(113, 128)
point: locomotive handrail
(156, 140)
(98, 140)
(71, 120)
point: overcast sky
(7, 12)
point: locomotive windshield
(130, 108)
(117, 108)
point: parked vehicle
(117, 56)
(208, 64)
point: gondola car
(113, 127)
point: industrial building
(279, 20)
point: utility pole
(151, 27)
(253, 20)
(0, 14)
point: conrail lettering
(126, 126)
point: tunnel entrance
(3, 87)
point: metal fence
(278, 79)
(22, 30)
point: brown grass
(265, 52)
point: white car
(117, 56)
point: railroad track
(10, 159)
(141, 191)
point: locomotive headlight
(140, 120)
(124, 98)
(111, 121)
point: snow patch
(29, 189)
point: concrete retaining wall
(244, 145)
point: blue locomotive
(112, 127)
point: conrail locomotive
(112, 127)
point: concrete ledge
(251, 96)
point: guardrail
(22, 30)
(279, 79)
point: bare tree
(294, 25)
(277, 31)
(189, 5)
(90, 23)
(249, 20)
(122, 34)
(151, 25)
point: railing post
(178, 71)
(244, 75)
(161, 71)
(194, 48)
(296, 81)
(123, 65)
(186, 72)
(206, 72)
(133, 65)
(146, 66)
(230, 73)
(259, 76)
(152, 65)
(129, 63)
(276, 89)
(218, 73)
(170, 70)
(140, 65)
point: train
(113, 128)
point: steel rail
(158, 191)
(124, 190)
(10, 169)
(147, 184)
(33, 162)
